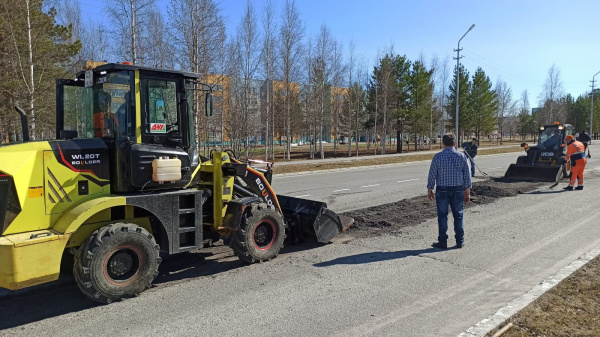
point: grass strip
(378, 161)
(571, 308)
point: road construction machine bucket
(530, 172)
(312, 219)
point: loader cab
(140, 113)
(551, 137)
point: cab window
(160, 106)
(101, 111)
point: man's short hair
(448, 139)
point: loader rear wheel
(116, 262)
(261, 234)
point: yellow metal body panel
(24, 162)
(138, 109)
(86, 229)
(38, 178)
(60, 184)
(222, 186)
(32, 258)
(70, 221)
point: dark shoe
(579, 188)
(459, 245)
(440, 245)
(568, 188)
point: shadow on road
(376, 257)
(63, 297)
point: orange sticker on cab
(36, 192)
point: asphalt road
(378, 286)
(359, 187)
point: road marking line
(301, 196)
(371, 185)
(343, 189)
(403, 181)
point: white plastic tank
(165, 169)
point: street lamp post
(592, 110)
(458, 81)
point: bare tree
(338, 73)
(95, 44)
(505, 105)
(69, 14)
(322, 69)
(248, 41)
(195, 26)
(269, 58)
(550, 95)
(443, 76)
(351, 94)
(129, 18)
(290, 51)
(158, 47)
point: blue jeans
(472, 166)
(450, 196)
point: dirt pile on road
(390, 218)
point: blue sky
(515, 40)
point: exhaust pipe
(24, 127)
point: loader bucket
(308, 218)
(529, 172)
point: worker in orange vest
(575, 154)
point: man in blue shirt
(471, 150)
(449, 173)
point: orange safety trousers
(576, 150)
(577, 172)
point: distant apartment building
(243, 105)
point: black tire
(521, 159)
(261, 234)
(117, 261)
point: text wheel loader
(546, 160)
(123, 182)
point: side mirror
(209, 104)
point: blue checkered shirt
(449, 168)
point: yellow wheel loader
(546, 160)
(123, 183)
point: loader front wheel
(116, 262)
(261, 234)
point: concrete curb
(512, 308)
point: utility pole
(458, 82)
(592, 110)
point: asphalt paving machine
(546, 160)
(123, 184)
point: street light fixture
(592, 112)
(458, 81)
